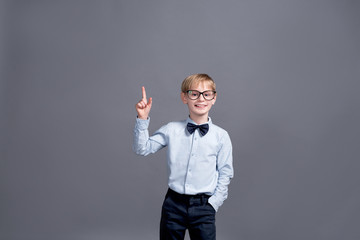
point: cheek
(209, 106)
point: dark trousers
(192, 212)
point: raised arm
(143, 106)
(143, 144)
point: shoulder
(219, 129)
(173, 127)
(176, 124)
(220, 132)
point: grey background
(288, 80)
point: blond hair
(195, 79)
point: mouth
(200, 105)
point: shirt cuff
(212, 202)
(142, 124)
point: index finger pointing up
(143, 93)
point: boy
(199, 158)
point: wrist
(142, 117)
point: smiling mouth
(200, 105)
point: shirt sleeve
(226, 173)
(143, 144)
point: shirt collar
(189, 120)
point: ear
(184, 98)
(214, 100)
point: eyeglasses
(208, 95)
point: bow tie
(204, 128)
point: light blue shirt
(196, 164)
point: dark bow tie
(204, 128)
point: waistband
(186, 196)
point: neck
(200, 119)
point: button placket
(191, 160)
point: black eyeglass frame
(201, 93)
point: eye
(193, 93)
(209, 94)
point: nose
(201, 97)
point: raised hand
(143, 106)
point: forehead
(201, 86)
